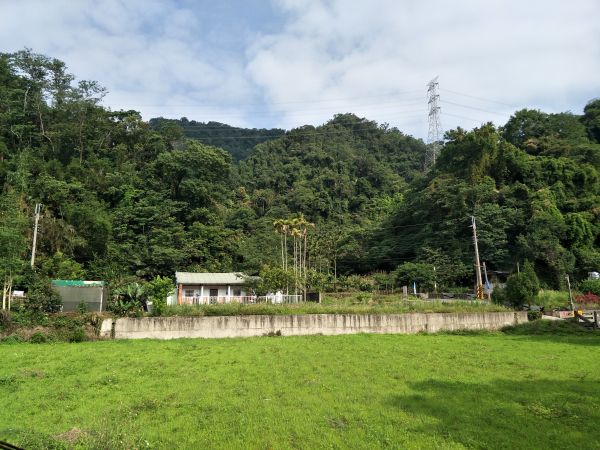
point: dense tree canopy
(237, 141)
(126, 198)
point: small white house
(212, 288)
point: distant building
(72, 292)
(212, 288)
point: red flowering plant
(588, 299)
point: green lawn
(360, 391)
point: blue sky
(286, 63)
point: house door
(214, 294)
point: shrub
(41, 297)
(588, 299)
(363, 298)
(591, 286)
(5, 319)
(534, 315)
(77, 335)
(421, 273)
(157, 291)
(272, 279)
(38, 338)
(129, 300)
(82, 307)
(499, 296)
(12, 339)
(522, 288)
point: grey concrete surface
(306, 324)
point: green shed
(73, 292)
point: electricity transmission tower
(434, 136)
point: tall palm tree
(279, 228)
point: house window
(189, 292)
(237, 292)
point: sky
(287, 63)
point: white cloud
(537, 54)
(174, 58)
(151, 55)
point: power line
(322, 100)
(396, 114)
(475, 108)
(479, 98)
(463, 117)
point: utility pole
(38, 209)
(479, 288)
(434, 136)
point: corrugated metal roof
(78, 283)
(210, 278)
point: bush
(499, 296)
(41, 297)
(129, 300)
(588, 299)
(77, 335)
(38, 338)
(591, 286)
(522, 288)
(5, 319)
(421, 273)
(534, 315)
(12, 339)
(157, 291)
(363, 298)
(82, 307)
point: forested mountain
(126, 198)
(534, 188)
(237, 141)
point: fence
(280, 298)
(218, 300)
(245, 299)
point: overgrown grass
(18, 326)
(329, 307)
(551, 328)
(550, 299)
(359, 391)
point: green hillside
(125, 199)
(237, 141)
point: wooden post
(179, 294)
(570, 294)
(487, 283)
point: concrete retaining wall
(294, 325)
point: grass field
(496, 390)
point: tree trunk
(286, 249)
(282, 255)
